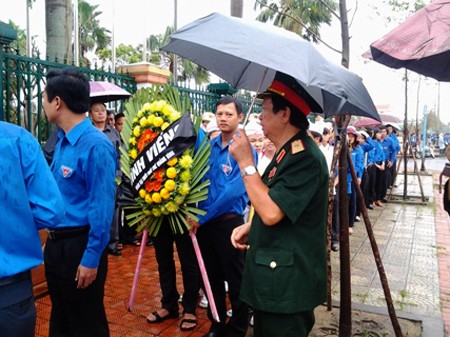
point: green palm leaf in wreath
(171, 186)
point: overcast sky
(133, 20)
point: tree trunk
(237, 8)
(345, 316)
(58, 29)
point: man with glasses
(225, 207)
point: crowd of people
(262, 237)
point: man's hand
(390, 164)
(85, 276)
(194, 225)
(241, 150)
(239, 236)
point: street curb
(432, 326)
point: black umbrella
(247, 54)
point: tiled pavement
(413, 241)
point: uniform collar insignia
(272, 172)
(280, 156)
(297, 146)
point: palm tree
(92, 35)
(303, 17)
(58, 28)
(185, 68)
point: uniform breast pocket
(275, 273)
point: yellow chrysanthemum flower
(133, 153)
(185, 175)
(158, 121)
(142, 193)
(156, 197)
(150, 119)
(164, 211)
(137, 131)
(179, 199)
(143, 121)
(132, 141)
(186, 162)
(175, 115)
(168, 110)
(165, 194)
(173, 161)
(140, 114)
(171, 172)
(146, 106)
(170, 185)
(159, 105)
(148, 199)
(165, 126)
(156, 212)
(147, 212)
(135, 120)
(184, 189)
(171, 207)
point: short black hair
(119, 115)
(71, 85)
(228, 100)
(316, 134)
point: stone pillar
(145, 73)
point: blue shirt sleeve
(31, 200)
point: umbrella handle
(254, 98)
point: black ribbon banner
(170, 143)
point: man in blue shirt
(390, 155)
(225, 207)
(391, 130)
(30, 201)
(84, 166)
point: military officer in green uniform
(285, 267)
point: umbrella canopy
(103, 92)
(421, 43)
(385, 119)
(242, 53)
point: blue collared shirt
(226, 193)
(30, 200)
(395, 143)
(84, 166)
(389, 149)
(376, 155)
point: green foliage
(198, 191)
(303, 17)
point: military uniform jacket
(285, 267)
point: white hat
(207, 116)
(253, 117)
(317, 127)
(253, 128)
(212, 126)
(364, 133)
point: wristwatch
(248, 171)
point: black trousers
(372, 178)
(75, 312)
(224, 263)
(17, 309)
(164, 251)
(385, 179)
(335, 228)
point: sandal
(189, 321)
(159, 319)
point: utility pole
(175, 59)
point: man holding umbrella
(285, 268)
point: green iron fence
(23, 79)
(203, 100)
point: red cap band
(290, 95)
